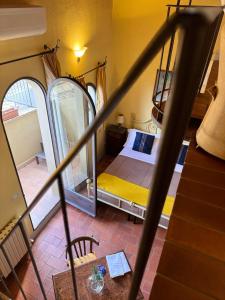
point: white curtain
(51, 66)
(101, 96)
(82, 81)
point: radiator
(15, 248)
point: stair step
(166, 289)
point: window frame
(95, 89)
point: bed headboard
(148, 125)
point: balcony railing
(189, 69)
(20, 93)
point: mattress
(130, 191)
(151, 159)
(138, 172)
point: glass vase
(95, 281)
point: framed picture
(159, 82)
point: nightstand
(115, 139)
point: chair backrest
(4, 297)
(80, 245)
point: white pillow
(155, 145)
(130, 139)
(132, 135)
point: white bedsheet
(151, 159)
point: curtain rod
(91, 70)
(193, 6)
(33, 55)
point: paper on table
(126, 267)
(117, 264)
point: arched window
(91, 88)
(19, 100)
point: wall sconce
(79, 52)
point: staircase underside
(200, 107)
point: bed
(125, 183)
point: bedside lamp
(120, 120)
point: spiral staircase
(164, 77)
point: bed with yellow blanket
(125, 185)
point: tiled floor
(114, 233)
(32, 178)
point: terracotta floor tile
(111, 228)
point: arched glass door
(26, 123)
(72, 110)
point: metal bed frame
(194, 25)
(129, 207)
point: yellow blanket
(130, 191)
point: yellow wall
(87, 22)
(24, 136)
(134, 25)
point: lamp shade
(120, 119)
(79, 52)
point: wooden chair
(4, 297)
(80, 246)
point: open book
(117, 264)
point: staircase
(165, 72)
(192, 265)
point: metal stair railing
(189, 69)
(170, 52)
(158, 94)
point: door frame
(54, 210)
(91, 204)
